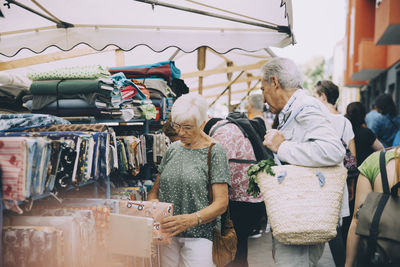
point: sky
(318, 26)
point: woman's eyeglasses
(178, 127)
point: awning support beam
(60, 24)
(278, 28)
(229, 85)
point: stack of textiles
(131, 98)
(161, 81)
(12, 88)
(71, 91)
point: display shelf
(108, 122)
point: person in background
(183, 180)
(389, 123)
(365, 142)
(309, 140)
(369, 180)
(255, 109)
(372, 117)
(245, 210)
(169, 130)
(328, 93)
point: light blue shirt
(310, 138)
(371, 118)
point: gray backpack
(379, 225)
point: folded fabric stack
(161, 81)
(72, 91)
(12, 88)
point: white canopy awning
(129, 23)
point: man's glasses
(178, 127)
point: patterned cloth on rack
(78, 72)
(13, 161)
(15, 122)
(72, 128)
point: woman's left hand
(177, 224)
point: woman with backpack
(370, 180)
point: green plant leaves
(262, 166)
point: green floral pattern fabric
(78, 72)
(184, 181)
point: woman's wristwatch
(199, 220)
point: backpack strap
(382, 166)
(245, 161)
(210, 123)
(210, 195)
(238, 125)
(373, 231)
(217, 127)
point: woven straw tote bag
(303, 203)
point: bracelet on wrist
(199, 220)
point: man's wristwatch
(199, 220)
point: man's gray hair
(256, 101)
(287, 72)
(190, 107)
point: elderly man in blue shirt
(308, 139)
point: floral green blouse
(184, 181)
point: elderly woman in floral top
(183, 181)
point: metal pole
(232, 82)
(60, 24)
(278, 28)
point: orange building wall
(393, 54)
(363, 26)
(352, 60)
(371, 56)
(366, 54)
(387, 13)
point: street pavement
(260, 253)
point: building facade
(373, 49)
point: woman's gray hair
(287, 72)
(190, 107)
(256, 101)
